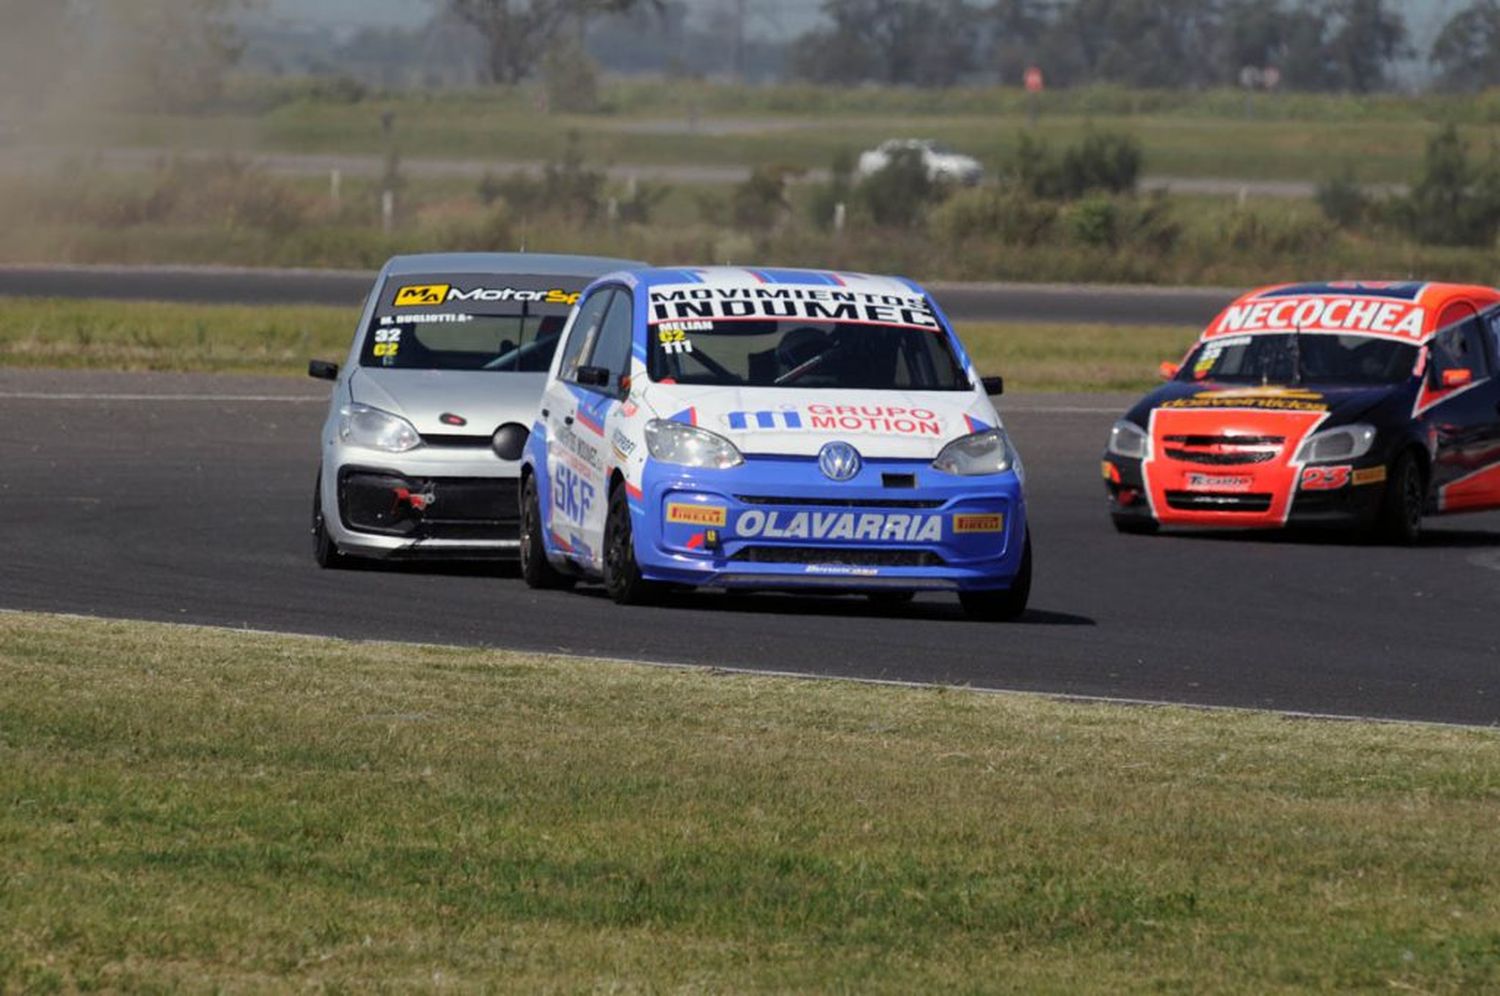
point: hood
(1342, 403)
(893, 425)
(484, 399)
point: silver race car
(421, 450)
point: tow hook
(417, 501)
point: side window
(1462, 348)
(585, 331)
(1494, 324)
(612, 350)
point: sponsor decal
(666, 327)
(422, 295)
(623, 445)
(858, 526)
(580, 448)
(1369, 475)
(885, 420)
(1289, 399)
(433, 295)
(1394, 318)
(697, 515)
(842, 570)
(979, 523)
(1219, 482)
(1325, 478)
(572, 496)
(676, 304)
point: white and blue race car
(771, 430)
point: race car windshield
(804, 355)
(1320, 358)
(513, 343)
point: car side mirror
(993, 386)
(1169, 370)
(593, 376)
(1458, 377)
(323, 370)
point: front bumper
(778, 523)
(431, 502)
(1344, 501)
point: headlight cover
(1347, 442)
(987, 452)
(361, 425)
(1127, 439)
(689, 446)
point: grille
(462, 507)
(1210, 501)
(453, 439)
(840, 502)
(837, 556)
(1223, 451)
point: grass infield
(202, 809)
(113, 335)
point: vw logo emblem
(838, 461)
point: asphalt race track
(186, 498)
(230, 285)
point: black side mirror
(593, 376)
(993, 386)
(323, 370)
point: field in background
(456, 185)
(1209, 134)
(187, 808)
(116, 335)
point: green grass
(194, 809)
(136, 335)
(127, 335)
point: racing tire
(1136, 527)
(1399, 520)
(622, 574)
(325, 550)
(1001, 604)
(536, 569)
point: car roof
(760, 276)
(552, 264)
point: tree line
(1320, 45)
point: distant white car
(943, 164)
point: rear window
(505, 323)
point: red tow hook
(417, 502)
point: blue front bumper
(777, 522)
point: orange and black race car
(1353, 404)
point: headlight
(1127, 439)
(361, 425)
(674, 442)
(987, 452)
(1347, 442)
